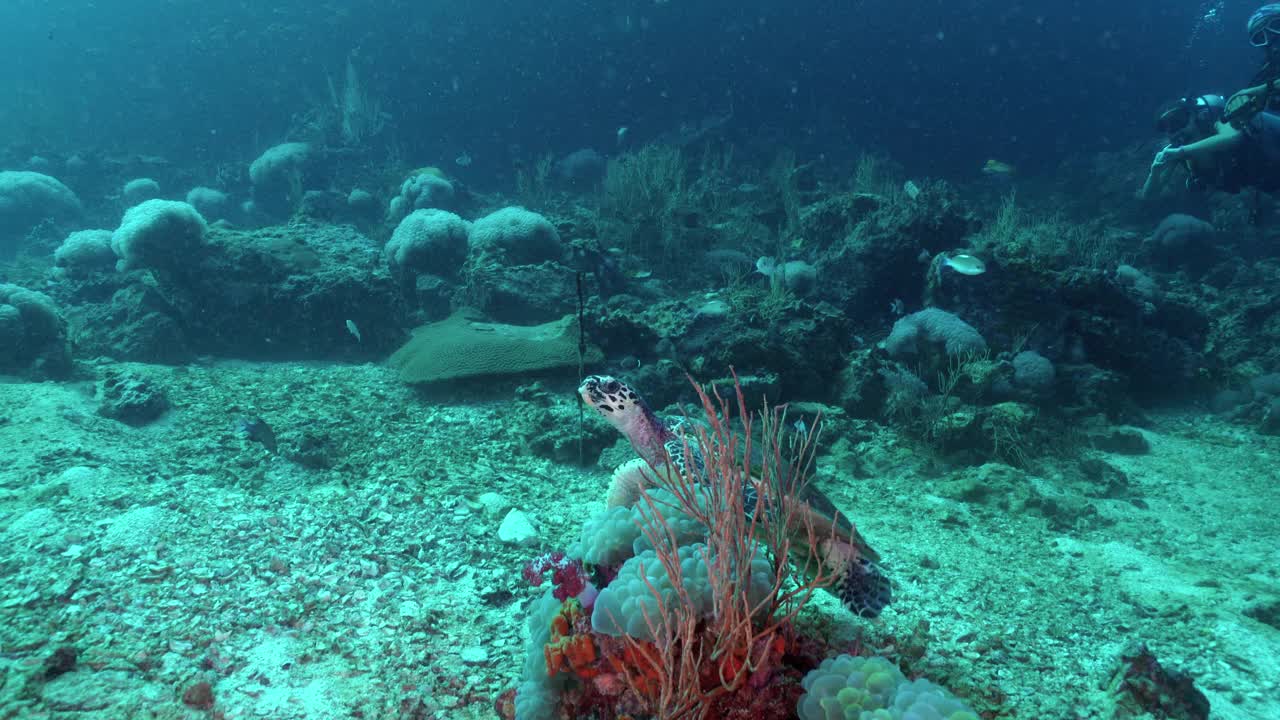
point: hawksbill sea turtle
(859, 582)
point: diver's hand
(1242, 102)
(1167, 155)
(1159, 170)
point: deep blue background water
(940, 86)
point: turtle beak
(590, 386)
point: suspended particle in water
(1208, 19)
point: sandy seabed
(366, 581)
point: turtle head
(622, 407)
(612, 398)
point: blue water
(940, 86)
(272, 444)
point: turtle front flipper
(631, 479)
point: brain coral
(27, 198)
(933, 327)
(422, 190)
(158, 234)
(521, 237)
(32, 332)
(85, 250)
(431, 241)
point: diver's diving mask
(1262, 36)
(1190, 118)
(1175, 118)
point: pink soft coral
(567, 574)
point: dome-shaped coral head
(626, 411)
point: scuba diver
(1192, 126)
(1264, 32)
(1228, 144)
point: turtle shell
(827, 517)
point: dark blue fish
(257, 430)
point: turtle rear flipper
(860, 583)
(864, 588)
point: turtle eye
(613, 386)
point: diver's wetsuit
(1255, 162)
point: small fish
(351, 328)
(463, 160)
(622, 134)
(963, 264)
(911, 189)
(995, 168)
(800, 427)
(257, 430)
